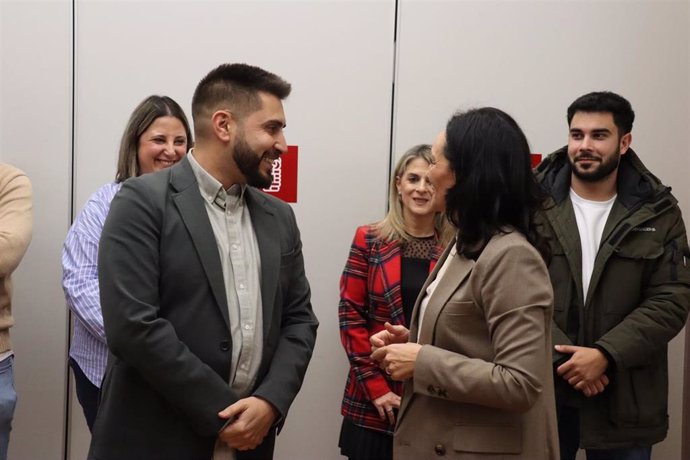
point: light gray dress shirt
(241, 262)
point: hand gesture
(252, 419)
(386, 404)
(391, 334)
(585, 369)
(397, 359)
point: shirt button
(224, 345)
(241, 286)
(440, 449)
(234, 247)
(247, 326)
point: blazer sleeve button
(440, 449)
(224, 345)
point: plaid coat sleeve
(353, 313)
(369, 296)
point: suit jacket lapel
(388, 258)
(264, 223)
(458, 269)
(192, 209)
(456, 272)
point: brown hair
(148, 110)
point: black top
(414, 269)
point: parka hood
(635, 183)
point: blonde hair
(392, 227)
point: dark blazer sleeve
(137, 335)
(296, 323)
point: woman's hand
(397, 359)
(391, 334)
(386, 404)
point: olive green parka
(637, 301)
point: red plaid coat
(369, 296)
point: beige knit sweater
(15, 234)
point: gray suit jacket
(166, 319)
(483, 384)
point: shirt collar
(212, 190)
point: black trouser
(569, 439)
(87, 393)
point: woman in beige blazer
(476, 360)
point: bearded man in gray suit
(205, 302)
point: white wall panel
(532, 59)
(339, 57)
(685, 434)
(35, 124)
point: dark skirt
(357, 443)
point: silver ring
(389, 410)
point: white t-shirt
(591, 218)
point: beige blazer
(483, 384)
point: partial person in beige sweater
(15, 234)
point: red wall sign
(284, 171)
(536, 159)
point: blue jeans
(8, 401)
(569, 437)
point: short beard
(598, 173)
(249, 163)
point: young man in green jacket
(619, 269)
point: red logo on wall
(284, 185)
(284, 172)
(536, 159)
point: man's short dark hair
(235, 87)
(607, 102)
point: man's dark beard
(249, 164)
(595, 174)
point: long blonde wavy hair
(392, 227)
